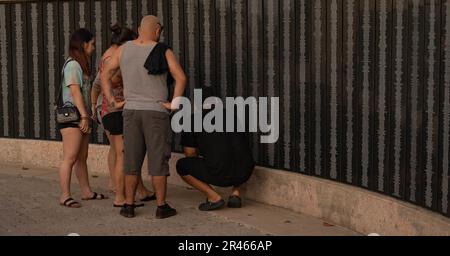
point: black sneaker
(165, 211)
(127, 211)
(234, 202)
(210, 206)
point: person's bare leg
(111, 162)
(160, 187)
(236, 191)
(81, 169)
(206, 189)
(142, 191)
(71, 138)
(119, 175)
(131, 182)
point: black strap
(72, 203)
(68, 200)
(59, 99)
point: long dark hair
(121, 35)
(76, 50)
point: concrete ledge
(347, 206)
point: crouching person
(221, 159)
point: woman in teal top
(75, 136)
(73, 75)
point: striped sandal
(70, 203)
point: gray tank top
(142, 91)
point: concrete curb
(355, 208)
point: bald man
(146, 113)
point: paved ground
(29, 206)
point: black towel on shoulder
(156, 62)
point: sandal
(149, 198)
(96, 197)
(70, 203)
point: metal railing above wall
(364, 85)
